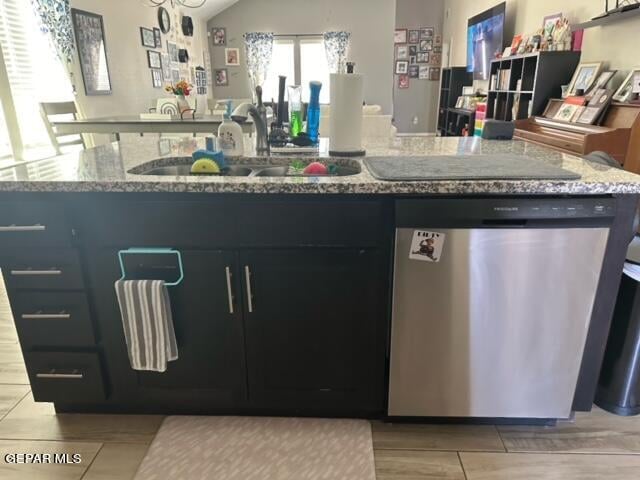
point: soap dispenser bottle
(230, 136)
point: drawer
(58, 319)
(65, 377)
(30, 224)
(52, 268)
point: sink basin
(271, 172)
(173, 170)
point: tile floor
(598, 445)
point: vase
(183, 103)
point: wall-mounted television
(485, 40)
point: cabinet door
(208, 330)
(314, 327)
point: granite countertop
(108, 168)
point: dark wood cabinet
(313, 322)
(208, 327)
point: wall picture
(426, 45)
(175, 75)
(221, 77)
(147, 37)
(172, 50)
(156, 78)
(414, 71)
(154, 59)
(157, 35)
(400, 35)
(166, 67)
(403, 81)
(434, 73)
(413, 50)
(232, 57)
(92, 52)
(402, 52)
(402, 67)
(426, 32)
(435, 58)
(219, 36)
(423, 58)
(423, 72)
(414, 36)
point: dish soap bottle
(230, 136)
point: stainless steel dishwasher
(492, 302)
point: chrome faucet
(259, 115)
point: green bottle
(295, 109)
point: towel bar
(152, 251)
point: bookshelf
(521, 85)
(452, 81)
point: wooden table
(134, 124)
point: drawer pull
(23, 228)
(247, 277)
(27, 273)
(75, 375)
(229, 290)
(46, 316)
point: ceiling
(212, 8)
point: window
(302, 59)
(35, 72)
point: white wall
(132, 90)
(615, 44)
(371, 23)
(420, 100)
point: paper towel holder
(351, 153)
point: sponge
(205, 165)
(217, 157)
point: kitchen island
(285, 306)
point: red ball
(316, 168)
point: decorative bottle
(313, 111)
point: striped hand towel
(148, 326)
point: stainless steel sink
(173, 170)
(271, 172)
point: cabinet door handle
(247, 277)
(45, 316)
(61, 376)
(22, 228)
(35, 272)
(229, 290)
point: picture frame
(437, 49)
(157, 34)
(175, 75)
(434, 73)
(402, 67)
(219, 36)
(551, 20)
(172, 50)
(154, 59)
(435, 58)
(426, 32)
(584, 77)
(597, 106)
(147, 37)
(166, 67)
(625, 91)
(437, 41)
(603, 80)
(426, 45)
(400, 35)
(221, 77)
(156, 78)
(403, 81)
(423, 72)
(413, 50)
(414, 36)
(413, 59)
(232, 57)
(402, 52)
(414, 71)
(423, 57)
(566, 112)
(92, 52)
(460, 102)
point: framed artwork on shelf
(403, 81)
(599, 103)
(414, 71)
(423, 72)
(400, 35)
(426, 32)
(625, 92)
(423, 57)
(586, 74)
(156, 78)
(172, 50)
(221, 77)
(157, 34)
(147, 37)
(414, 36)
(219, 36)
(549, 22)
(232, 57)
(154, 59)
(402, 52)
(92, 52)
(402, 67)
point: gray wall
(371, 23)
(421, 98)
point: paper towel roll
(345, 124)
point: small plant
(180, 88)
(297, 165)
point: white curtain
(259, 49)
